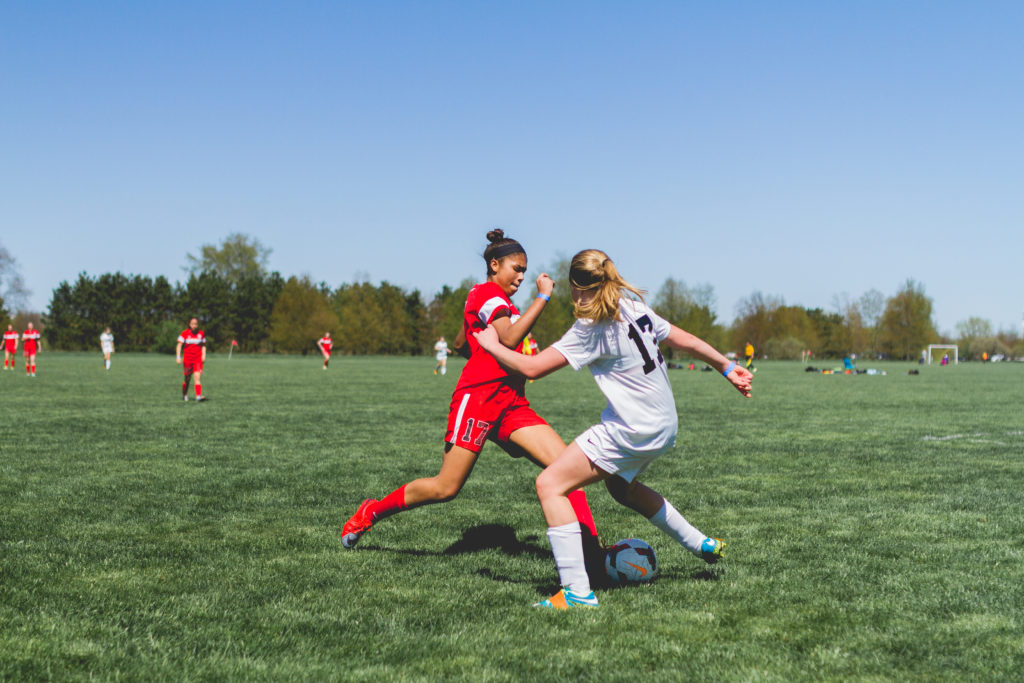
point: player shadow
(475, 539)
(494, 537)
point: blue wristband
(728, 369)
(546, 297)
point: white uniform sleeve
(661, 326)
(580, 344)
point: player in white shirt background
(617, 338)
(441, 356)
(107, 345)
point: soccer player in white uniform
(107, 344)
(617, 337)
(441, 356)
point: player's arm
(320, 345)
(513, 333)
(460, 345)
(177, 354)
(693, 345)
(202, 358)
(531, 367)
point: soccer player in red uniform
(31, 338)
(489, 403)
(194, 341)
(324, 343)
(10, 347)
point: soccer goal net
(944, 347)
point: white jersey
(441, 348)
(629, 369)
(107, 342)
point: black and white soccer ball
(631, 561)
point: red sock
(389, 505)
(578, 500)
(199, 390)
(33, 369)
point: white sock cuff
(565, 530)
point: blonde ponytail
(592, 270)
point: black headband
(508, 249)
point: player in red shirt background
(324, 343)
(194, 341)
(10, 347)
(488, 403)
(30, 337)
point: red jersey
(10, 341)
(31, 339)
(193, 343)
(326, 343)
(484, 304)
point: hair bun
(496, 235)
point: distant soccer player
(441, 356)
(194, 341)
(10, 347)
(31, 338)
(748, 353)
(324, 343)
(617, 336)
(107, 344)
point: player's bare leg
(663, 515)
(456, 466)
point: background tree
(300, 316)
(445, 310)
(238, 256)
(252, 304)
(208, 297)
(975, 337)
(362, 326)
(692, 309)
(906, 323)
(12, 288)
(871, 305)
(557, 316)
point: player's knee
(547, 487)
(443, 491)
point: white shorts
(108, 349)
(441, 356)
(602, 450)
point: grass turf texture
(874, 527)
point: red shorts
(490, 411)
(29, 350)
(9, 348)
(192, 366)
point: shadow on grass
(494, 536)
(485, 537)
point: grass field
(875, 528)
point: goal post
(956, 351)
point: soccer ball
(631, 561)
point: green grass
(875, 529)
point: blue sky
(803, 150)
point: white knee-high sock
(567, 546)
(675, 525)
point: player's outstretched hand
(545, 285)
(741, 378)
(488, 337)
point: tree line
(237, 300)
(266, 312)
